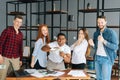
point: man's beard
(102, 28)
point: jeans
(103, 68)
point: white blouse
(40, 55)
(79, 51)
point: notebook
(19, 73)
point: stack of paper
(77, 73)
(2, 66)
(37, 74)
(42, 73)
(91, 73)
(30, 70)
(57, 73)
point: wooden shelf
(50, 12)
(24, 1)
(110, 10)
(29, 28)
(56, 12)
(113, 26)
(38, 13)
(16, 13)
(100, 10)
(88, 10)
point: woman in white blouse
(80, 50)
(39, 57)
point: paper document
(56, 73)
(30, 70)
(2, 66)
(92, 75)
(26, 51)
(37, 74)
(42, 73)
(77, 73)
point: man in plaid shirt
(11, 46)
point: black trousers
(37, 66)
(79, 66)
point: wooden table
(62, 77)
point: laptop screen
(19, 73)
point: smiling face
(44, 30)
(101, 22)
(17, 23)
(81, 34)
(61, 40)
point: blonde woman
(80, 50)
(39, 57)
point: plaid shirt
(11, 44)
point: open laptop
(19, 73)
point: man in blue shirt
(105, 42)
